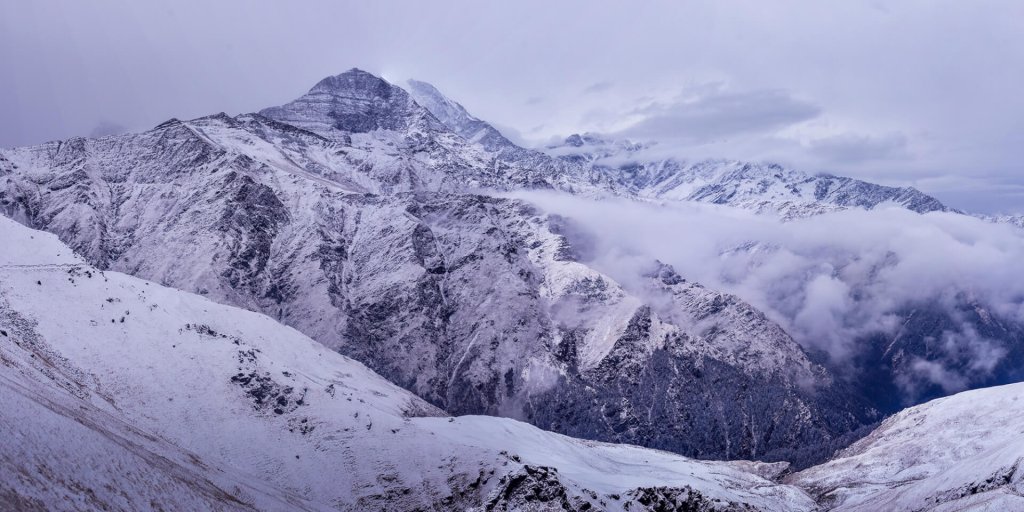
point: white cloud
(829, 280)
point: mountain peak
(354, 80)
(354, 102)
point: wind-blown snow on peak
(448, 111)
(469, 127)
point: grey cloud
(933, 372)
(959, 356)
(598, 87)
(721, 115)
(851, 148)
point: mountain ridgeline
(364, 216)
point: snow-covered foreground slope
(121, 394)
(962, 452)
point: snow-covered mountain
(898, 366)
(375, 244)
(1011, 219)
(120, 394)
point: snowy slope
(208, 406)
(961, 452)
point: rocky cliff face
(352, 103)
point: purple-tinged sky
(918, 92)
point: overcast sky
(925, 93)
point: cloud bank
(831, 280)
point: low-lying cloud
(829, 280)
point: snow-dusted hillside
(121, 394)
(957, 453)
